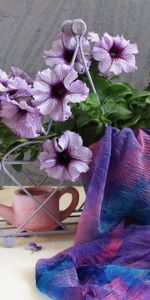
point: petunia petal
(106, 41)
(78, 92)
(68, 41)
(16, 72)
(53, 61)
(49, 148)
(70, 77)
(105, 65)
(46, 162)
(44, 77)
(115, 68)
(81, 153)
(93, 37)
(56, 51)
(60, 72)
(60, 111)
(74, 139)
(128, 66)
(100, 54)
(8, 109)
(131, 49)
(57, 172)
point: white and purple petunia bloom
(62, 52)
(15, 86)
(16, 72)
(4, 79)
(65, 157)
(19, 89)
(23, 119)
(93, 37)
(55, 88)
(115, 54)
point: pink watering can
(23, 206)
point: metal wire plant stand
(78, 29)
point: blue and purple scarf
(111, 256)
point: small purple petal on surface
(34, 247)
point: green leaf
(91, 132)
(60, 127)
(147, 100)
(119, 90)
(93, 100)
(132, 122)
(122, 113)
(119, 87)
(140, 94)
(84, 106)
(101, 85)
(20, 156)
(33, 153)
(109, 107)
(99, 129)
(82, 120)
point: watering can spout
(6, 212)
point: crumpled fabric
(111, 256)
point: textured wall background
(27, 27)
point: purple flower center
(63, 158)
(21, 113)
(68, 54)
(115, 51)
(12, 92)
(58, 90)
(5, 83)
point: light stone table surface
(17, 265)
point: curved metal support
(22, 187)
(77, 28)
(86, 68)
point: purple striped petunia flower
(55, 89)
(115, 54)
(15, 86)
(65, 157)
(93, 37)
(19, 89)
(62, 52)
(22, 118)
(4, 79)
(16, 72)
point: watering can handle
(74, 202)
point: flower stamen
(64, 158)
(58, 91)
(68, 55)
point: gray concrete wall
(27, 27)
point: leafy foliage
(116, 103)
